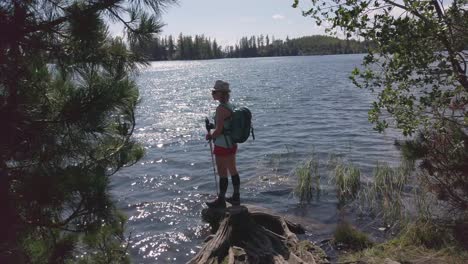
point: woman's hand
(208, 137)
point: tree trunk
(254, 237)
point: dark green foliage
(444, 161)
(67, 103)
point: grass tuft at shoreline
(398, 200)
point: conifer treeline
(265, 46)
(183, 48)
(201, 47)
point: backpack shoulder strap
(226, 107)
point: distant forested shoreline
(199, 47)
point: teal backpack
(241, 125)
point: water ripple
(300, 105)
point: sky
(229, 20)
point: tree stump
(245, 234)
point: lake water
(300, 105)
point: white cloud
(278, 17)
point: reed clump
(398, 198)
(308, 180)
(419, 242)
(384, 196)
(421, 236)
(425, 233)
(347, 180)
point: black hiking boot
(217, 203)
(234, 199)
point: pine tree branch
(127, 25)
(101, 5)
(57, 5)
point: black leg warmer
(236, 183)
(223, 185)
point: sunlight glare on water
(300, 105)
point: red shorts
(220, 151)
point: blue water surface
(300, 105)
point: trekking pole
(208, 127)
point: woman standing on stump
(225, 149)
